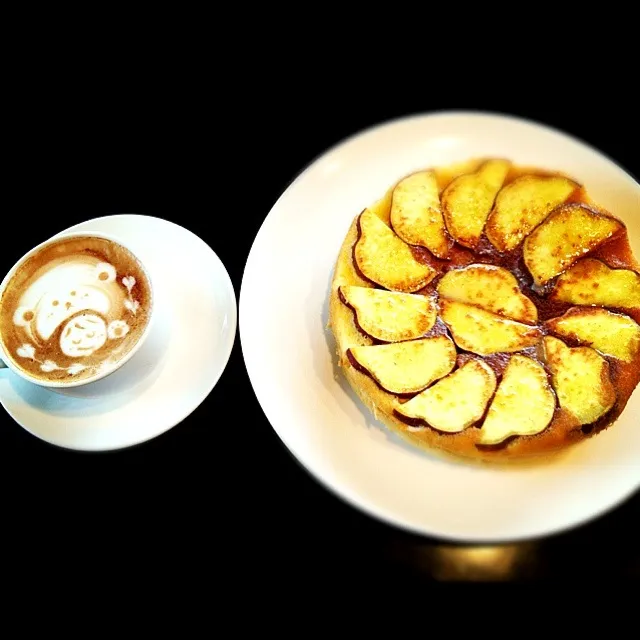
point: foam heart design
(26, 351)
(48, 366)
(132, 305)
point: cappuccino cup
(73, 310)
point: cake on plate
(489, 311)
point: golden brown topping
(483, 332)
(565, 236)
(455, 402)
(390, 316)
(468, 200)
(489, 287)
(580, 377)
(416, 215)
(591, 282)
(612, 334)
(523, 405)
(384, 258)
(522, 205)
(407, 367)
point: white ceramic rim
(345, 492)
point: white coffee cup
(6, 360)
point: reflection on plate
(290, 355)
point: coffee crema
(74, 309)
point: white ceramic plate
(188, 347)
(290, 355)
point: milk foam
(83, 335)
(65, 289)
(81, 296)
(75, 308)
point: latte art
(74, 308)
(63, 292)
(82, 336)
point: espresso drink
(74, 309)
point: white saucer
(194, 326)
(290, 356)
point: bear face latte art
(74, 309)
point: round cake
(489, 311)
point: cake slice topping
(591, 282)
(569, 233)
(490, 287)
(522, 205)
(468, 200)
(388, 315)
(524, 403)
(455, 402)
(580, 377)
(382, 257)
(416, 216)
(407, 367)
(612, 334)
(483, 332)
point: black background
(218, 494)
